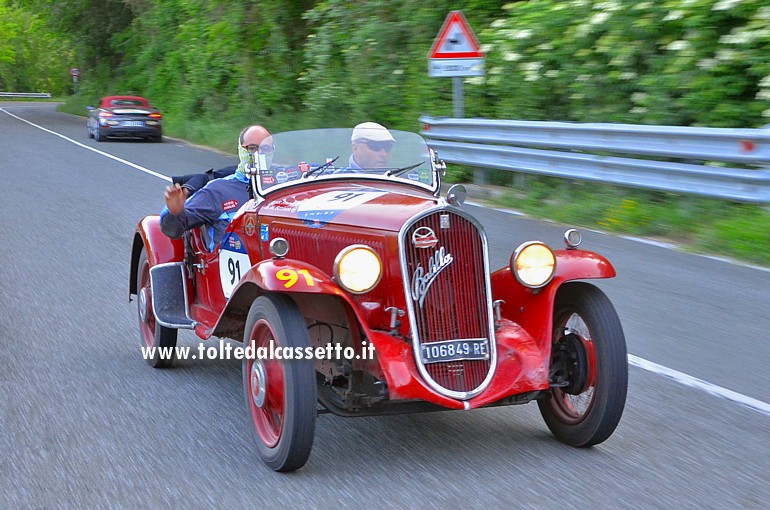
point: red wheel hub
(266, 388)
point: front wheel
(589, 367)
(158, 342)
(280, 394)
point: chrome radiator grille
(445, 273)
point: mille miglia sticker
(423, 278)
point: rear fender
(160, 247)
(533, 308)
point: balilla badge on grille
(424, 237)
(422, 280)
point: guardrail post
(520, 180)
(479, 176)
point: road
(86, 423)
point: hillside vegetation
(213, 66)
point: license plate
(132, 123)
(455, 350)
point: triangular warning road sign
(456, 39)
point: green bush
(675, 62)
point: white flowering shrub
(675, 62)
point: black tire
(151, 334)
(280, 395)
(601, 382)
(90, 133)
(98, 135)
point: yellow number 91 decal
(290, 277)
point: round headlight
(533, 263)
(358, 269)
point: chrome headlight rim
(342, 254)
(517, 253)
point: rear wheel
(158, 340)
(589, 367)
(280, 395)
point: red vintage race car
(359, 290)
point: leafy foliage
(215, 65)
(32, 57)
(676, 62)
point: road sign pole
(456, 53)
(457, 96)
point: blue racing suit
(213, 205)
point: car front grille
(444, 260)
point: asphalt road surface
(86, 423)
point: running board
(169, 296)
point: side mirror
(89, 108)
(456, 195)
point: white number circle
(233, 263)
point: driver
(217, 202)
(372, 143)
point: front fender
(533, 309)
(160, 248)
(289, 276)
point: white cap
(371, 131)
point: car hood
(384, 207)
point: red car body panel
(106, 102)
(532, 309)
(160, 248)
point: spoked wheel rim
(266, 385)
(572, 408)
(146, 317)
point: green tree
(33, 58)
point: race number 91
(290, 277)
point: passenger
(216, 203)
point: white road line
(651, 242)
(120, 160)
(693, 382)
(681, 378)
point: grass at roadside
(698, 224)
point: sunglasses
(378, 146)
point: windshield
(289, 158)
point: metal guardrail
(520, 146)
(25, 94)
